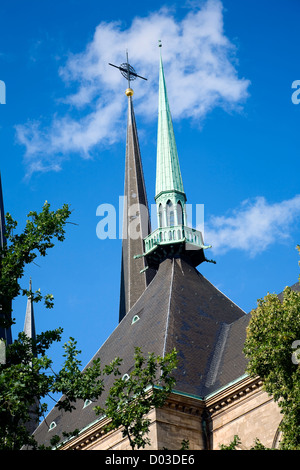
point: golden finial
(129, 92)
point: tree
(25, 380)
(132, 397)
(22, 249)
(27, 377)
(236, 444)
(272, 336)
(232, 445)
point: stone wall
(242, 409)
(248, 412)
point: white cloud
(198, 61)
(254, 226)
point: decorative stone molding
(196, 408)
(232, 394)
(185, 404)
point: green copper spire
(168, 175)
(169, 194)
(173, 237)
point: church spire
(169, 195)
(136, 221)
(29, 324)
(173, 237)
(29, 330)
(168, 175)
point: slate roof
(180, 308)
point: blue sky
(229, 70)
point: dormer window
(135, 319)
(52, 426)
(87, 403)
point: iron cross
(128, 71)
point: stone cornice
(176, 401)
(185, 404)
(87, 436)
(232, 393)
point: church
(166, 303)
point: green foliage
(27, 377)
(76, 384)
(233, 444)
(23, 380)
(21, 249)
(131, 398)
(185, 444)
(236, 442)
(272, 331)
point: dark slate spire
(29, 330)
(29, 324)
(5, 304)
(136, 221)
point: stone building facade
(242, 409)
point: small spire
(29, 324)
(29, 330)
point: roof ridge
(217, 355)
(169, 306)
(228, 298)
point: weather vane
(128, 72)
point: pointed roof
(168, 174)
(29, 323)
(182, 309)
(135, 218)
